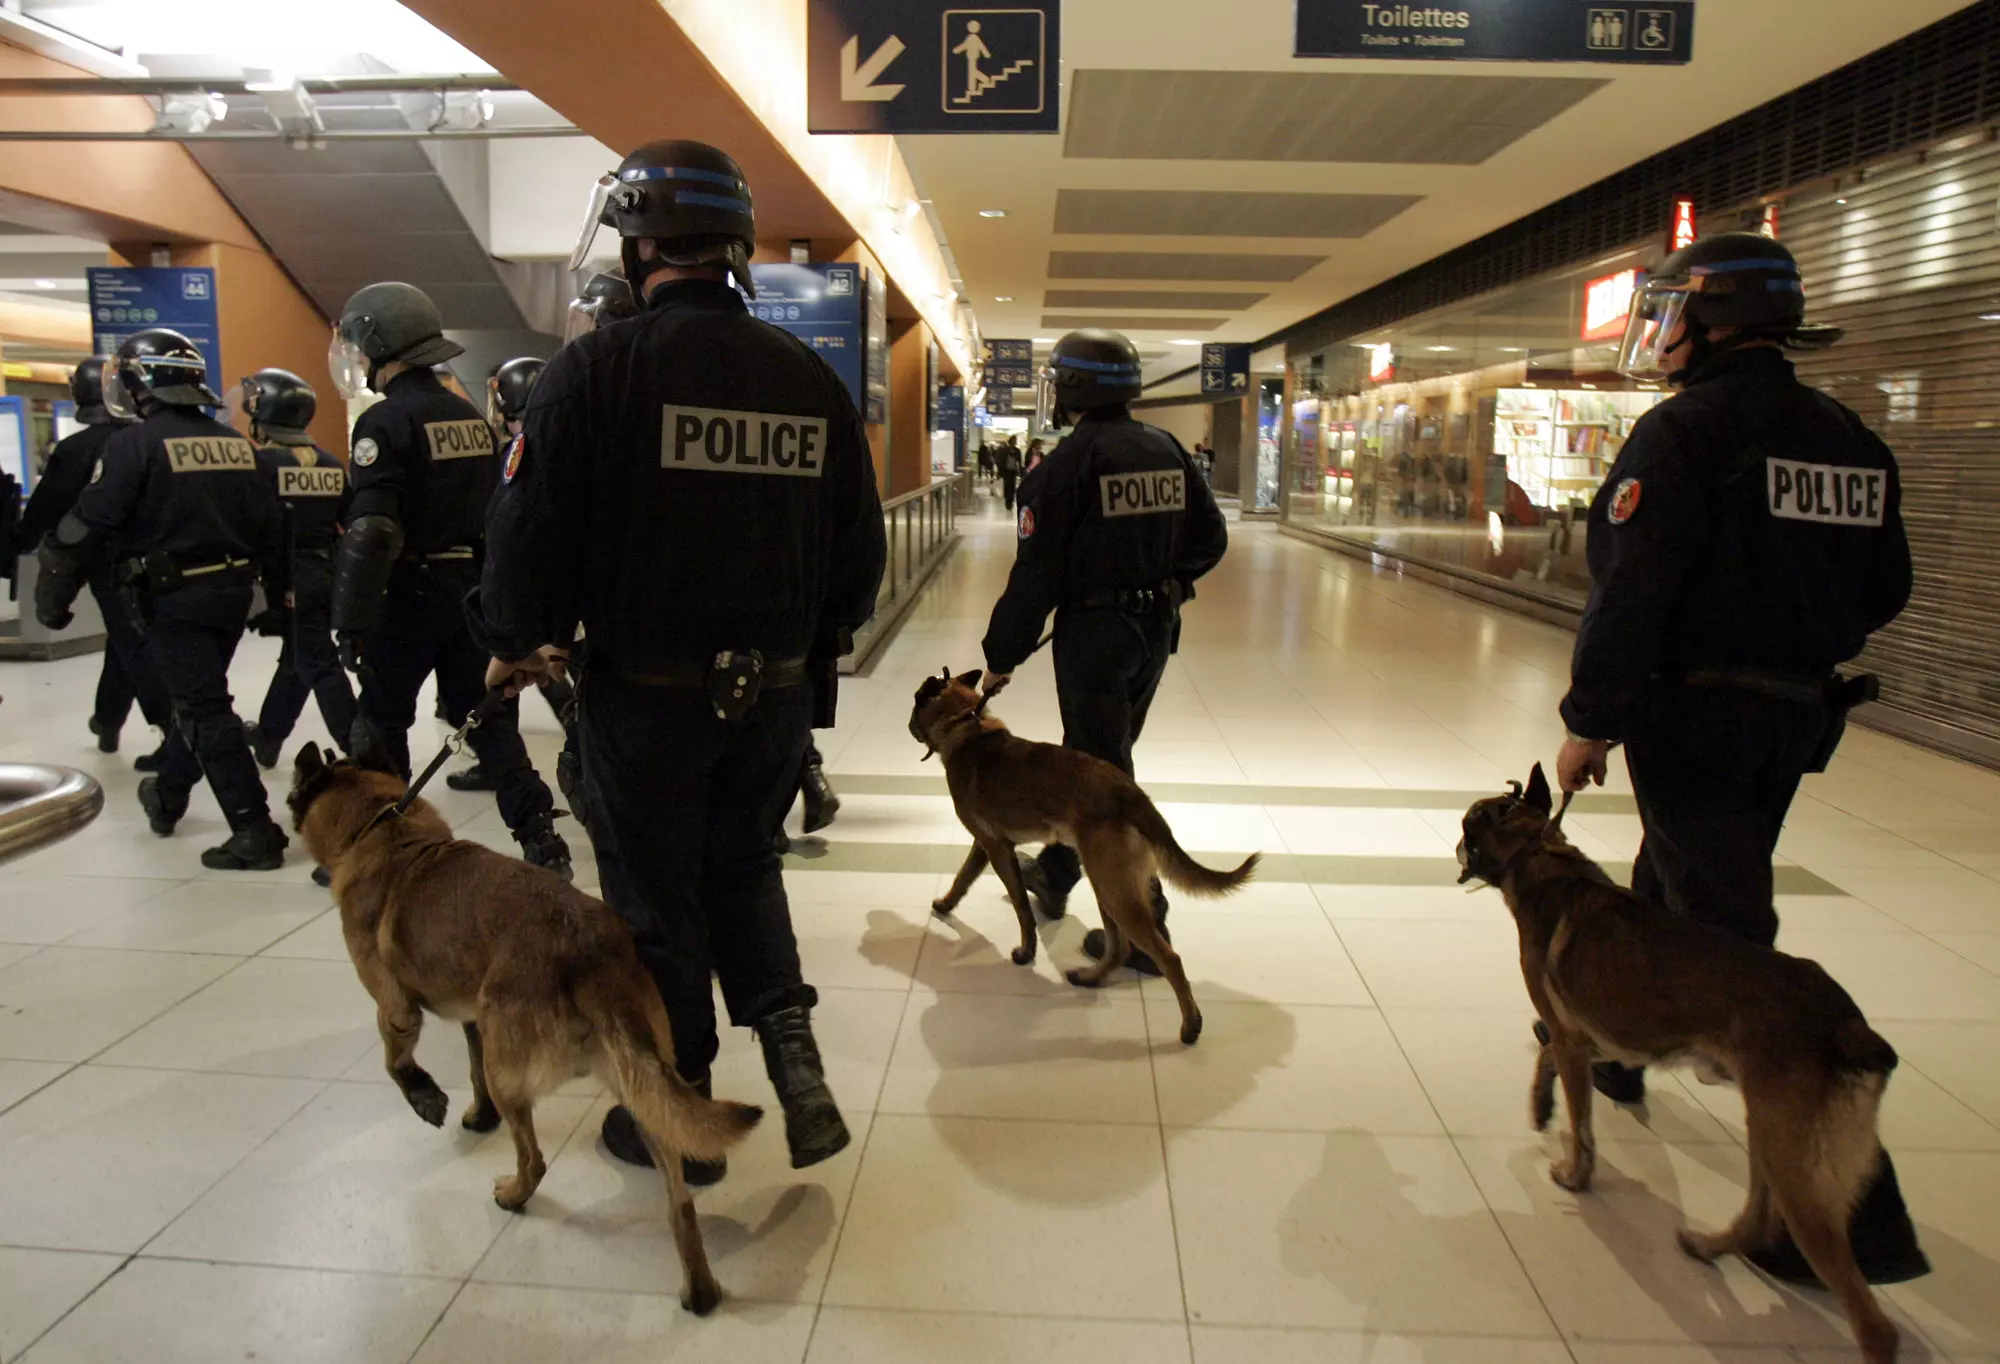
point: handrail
(40, 804)
(919, 528)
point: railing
(921, 528)
(39, 805)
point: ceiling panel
(1224, 213)
(1147, 298)
(1179, 265)
(1447, 120)
(1134, 323)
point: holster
(823, 673)
(1833, 696)
(734, 681)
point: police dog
(544, 978)
(1608, 971)
(1008, 791)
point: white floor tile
(1480, 904)
(1958, 1056)
(69, 1003)
(19, 1079)
(510, 1325)
(319, 940)
(1357, 832)
(269, 1016)
(1295, 1345)
(104, 1158)
(46, 907)
(1281, 959)
(233, 918)
(180, 1312)
(1955, 1200)
(1081, 1057)
(38, 1286)
(850, 1336)
(1898, 976)
(1438, 965)
(1028, 1218)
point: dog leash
(489, 706)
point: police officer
(312, 485)
(1114, 527)
(180, 498)
(127, 673)
(1747, 540)
(424, 468)
(694, 486)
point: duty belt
(777, 672)
(455, 552)
(1797, 687)
(141, 573)
(1133, 601)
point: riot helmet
(155, 368)
(1742, 280)
(86, 390)
(689, 197)
(381, 324)
(1088, 369)
(279, 406)
(606, 297)
(508, 387)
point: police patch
(514, 453)
(365, 451)
(1624, 502)
(1027, 522)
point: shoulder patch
(518, 448)
(1026, 523)
(365, 451)
(1624, 502)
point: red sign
(1683, 231)
(1606, 304)
(1769, 226)
(1382, 363)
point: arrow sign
(857, 78)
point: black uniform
(425, 458)
(313, 487)
(181, 494)
(128, 672)
(1114, 528)
(1747, 540)
(690, 481)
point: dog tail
(638, 1043)
(1179, 870)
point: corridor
(200, 1158)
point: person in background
(127, 673)
(1034, 457)
(1007, 460)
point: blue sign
(126, 299)
(1010, 364)
(1657, 33)
(951, 417)
(981, 417)
(822, 306)
(999, 401)
(1224, 368)
(933, 66)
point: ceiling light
(1441, 350)
(1840, 201)
(992, 212)
(1184, 341)
(1365, 345)
(1045, 340)
(1513, 350)
(45, 284)
(912, 209)
(1983, 317)
(191, 113)
(1003, 298)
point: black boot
(1093, 941)
(542, 846)
(322, 878)
(1050, 903)
(569, 781)
(821, 804)
(813, 1126)
(473, 778)
(622, 1139)
(107, 737)
(265, 746)
(150, 762)
(1618, 1083)
(163, 809)
(1881, 1233)
(256, 847)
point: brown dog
(1010, 791)
(544, 978)
(1609, 971)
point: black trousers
(308, 663)
(128, 673)
(423, 631)
(1008, 479)
(192, 634)
(1714, 771)
(1108, 665)
(685, 806)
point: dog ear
(308, 763)
(1538, 791)
(970, 679)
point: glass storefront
(1471, 439)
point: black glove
(54, 620)
(273, 622)
(350, 650)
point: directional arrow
(857, 78)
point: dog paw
(1541, 1111)
(1022, 956)
(1080, 978)
(701, 1298)
(1697, 1246)
(512, 1192)
(428, 1101)
(943, 908)
(1191, 1031)
(1571, 1175)
(480, 1118)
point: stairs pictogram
(988, 82)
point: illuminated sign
(1606, 304)
(1769, 226)
(1683, 231)
(1382, 363)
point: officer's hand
(515, 676)
(350, 650)
(272, 622)
(994, 683)
(1582, 762)
(55, 620)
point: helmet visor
(1048, 417)
(583, 317)
(1658, 310)
(593, 218)
(117, 398)
(348, 366)
(496, 416)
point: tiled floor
(201, 1161)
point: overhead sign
(1767, 226)
(1660, 33)
(1682, 233)
(1010, 364)
(950, 419)
(1607, 303)
(933, 66)
(1224, 368)
(999, 401)
(126, 299)
(822, 306)
(1382, 363)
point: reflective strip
(712, 201)
(1732, 266)
(680, 173)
